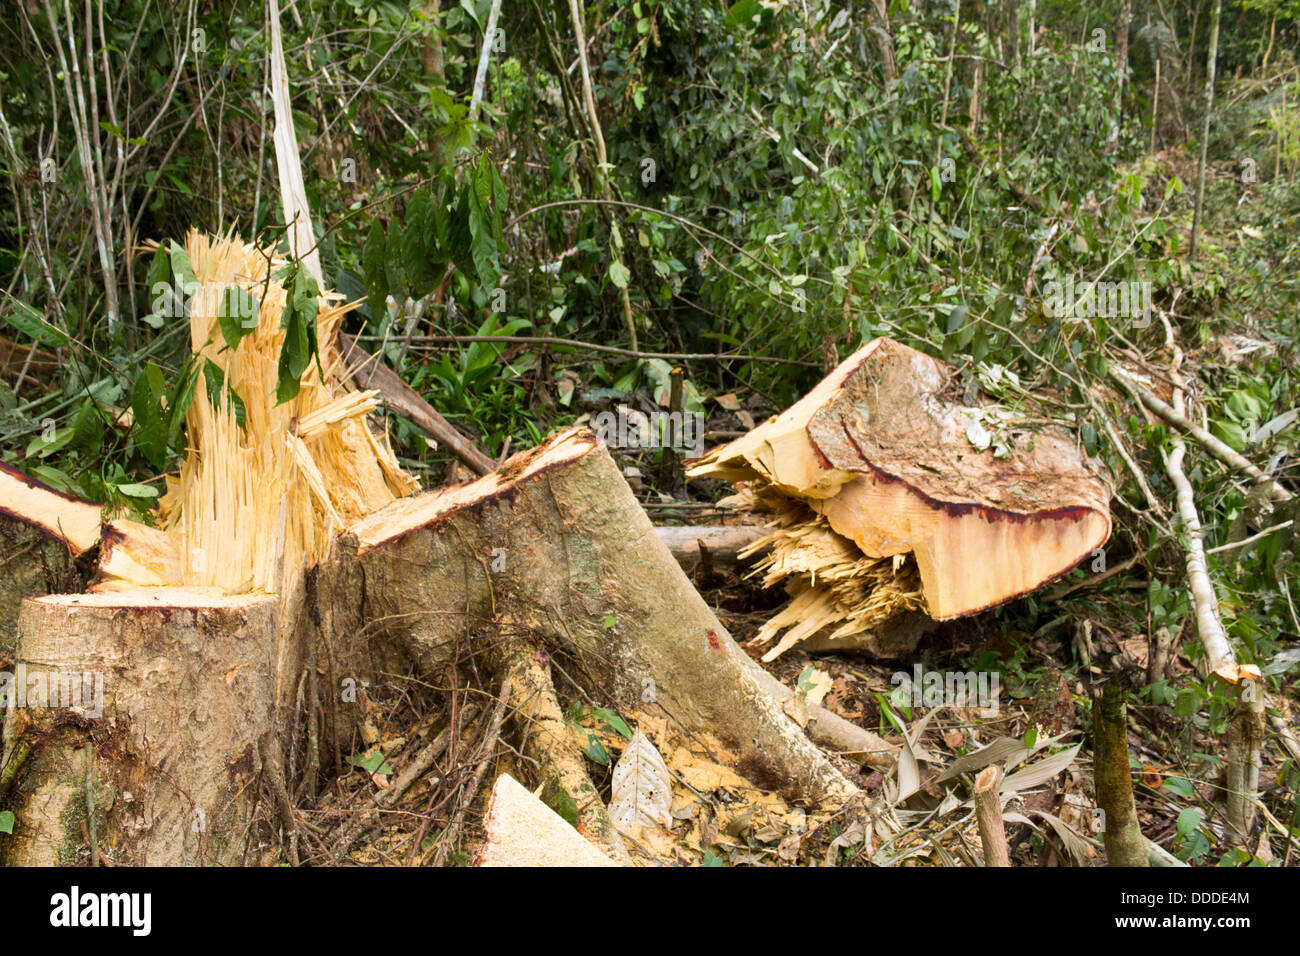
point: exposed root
(547, 740)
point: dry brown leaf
(641, 790)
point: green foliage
(298, 323)
(372, 761)
(158, 410)
(214, 381)
(27, 321)
(776, 194)
(237, 315)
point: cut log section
(884, 503)
(523, 831)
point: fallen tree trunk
(370, 372)
(890, 494)
(712, 546)
(1246, 732)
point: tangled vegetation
(754, 190)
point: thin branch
(1211, 444)
(609, 349)
(485, 55)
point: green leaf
(614, 720)
(956, 317)
(596, 751)
(610, 622)
(33, 325)
(6, 821)
(160, 270)
(483, 229)
(483, 183)
(421, 259)
(299, 325)
(1002, 309)
(138, 491)
(743, 12)
(1230, 433)
(53, 477)
(214, 381)
(394, 274)
(178, 402)
(1189, 819)
(1187, 703)
(372, 761)
(1180, 786)
(1235, 857)
(468, 7)
(182, 270)
(41, 447)
(236, 314)
(151, 420)
(619, 274)
(287, 384)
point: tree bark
(42, 534)
(1244, 754)
(879, 17)
(431, 56)
(988, 814)
(1121, 72)
(1125, 845)
(147, 752)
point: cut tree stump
(135, 722)
(554, 545)
(551, 547)
(889, 495)
(291, 566)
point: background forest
(749, 192)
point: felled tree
(888, 498)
